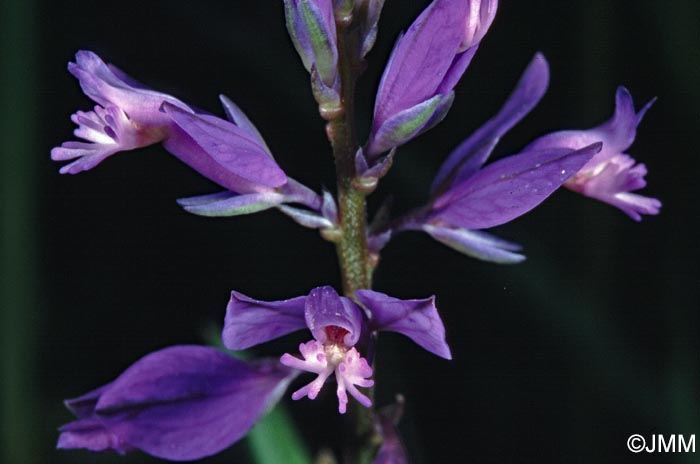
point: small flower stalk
(186, 402)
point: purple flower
(499, 193)
(611, 175)
(416, 89)
(129, 116)
(341, 331)
(467, 197)
(180, 403)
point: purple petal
(416, 319)
(180, 403)
(621, 128)
(296, 192)
(84, 406)
(101, 84)
(476, 244)
(107, 131)
(421, 58)
(471, 154)
(222, 152)
(239, 118)
(91, 434)
(635, 205)
(329, 209)
(612, 183)
(481, 15)
(325, 308)
(370, 23)
(379, 169)
(611, 174)
(509, 188)
(127, 79)
(457, 69)
(204, 199)
(617, 134)
(250, 322)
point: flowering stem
(351, 247)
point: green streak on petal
(290, 18)
(410, 127)
(213, 211)
(320, 41)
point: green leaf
(275, 439)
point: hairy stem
(353, 255)
(352, 245)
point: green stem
(351, 246)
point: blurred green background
(595, 337)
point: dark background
(558, 359)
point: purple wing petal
(457, 69)
(180, 403)
(421, 58)
(250, 322)
(239, 118)
(324, 308)
(476, 244)
(416, 319)
(471, 154)
(222, 152)
(509, 187)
